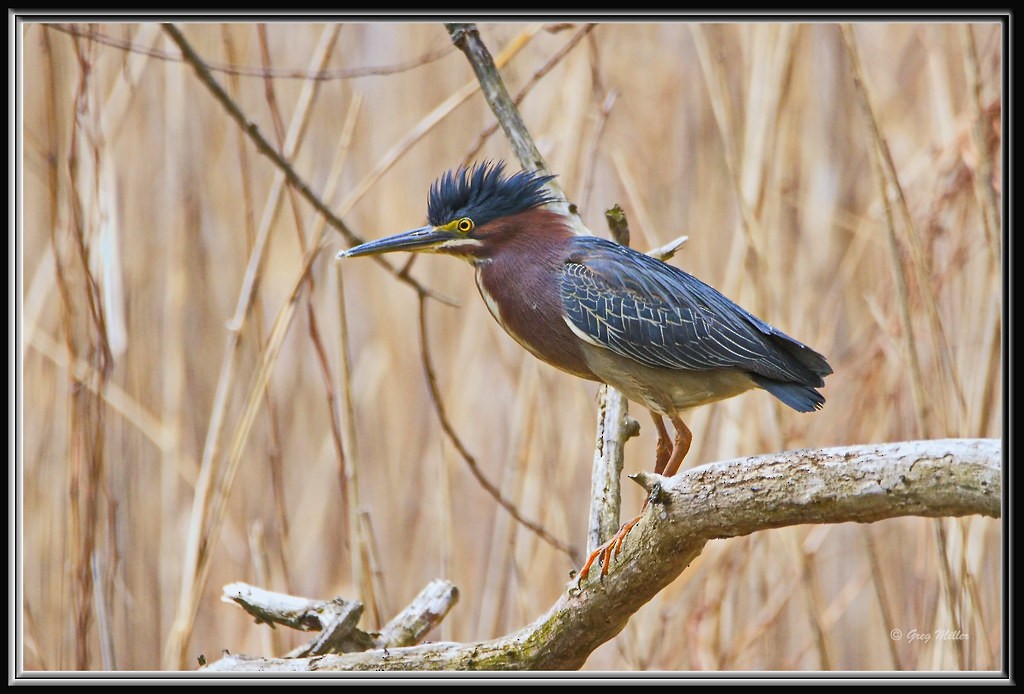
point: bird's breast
(526, 303)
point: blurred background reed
(197, 411)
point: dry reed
(868, 229)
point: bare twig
(862, 484)
(469, 458)
(530, 84)
(467, 38)
(322, 75)
(614, 427)
(339, 634)
(269, 607)
(669, 249)
(425, 612)
(215, 479)
(280, 160)
(618, 224)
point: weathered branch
(614, 427)
(421, 615)
(950, 477)
(336, 619)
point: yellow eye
(464, 225)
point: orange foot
(604, 553)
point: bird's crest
(483, 194)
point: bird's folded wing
(660, 316)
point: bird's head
(466, 209)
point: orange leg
(666, 465)
(664, 448)
(682, 446)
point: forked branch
(863, 484)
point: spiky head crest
(483, 194)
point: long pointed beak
(422, 239)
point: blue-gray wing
(661, 316)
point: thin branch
(426, 124)
(322, 75)
(668, 250)
(425, 612)
(469, 458)
(467, 38)
(530, 84)
(859, 484)
(282, 163)
(215, 476)
(614, 427)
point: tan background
(746, 137)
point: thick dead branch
(863, 484)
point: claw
(609, 550)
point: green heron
(605, 312)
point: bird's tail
(800, 397)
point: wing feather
(661, 316)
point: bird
(605, 312)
